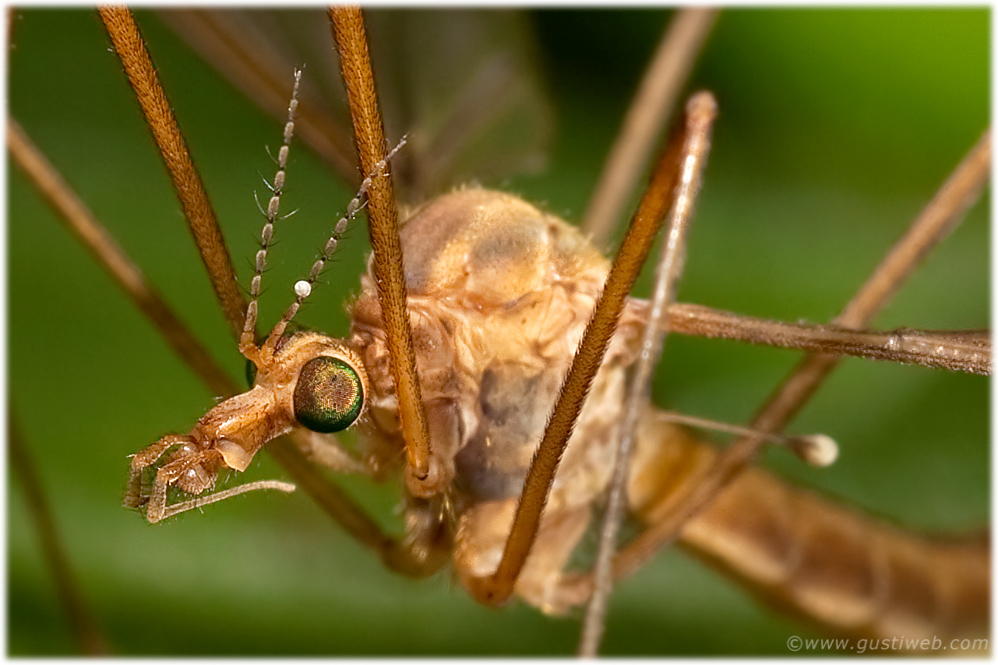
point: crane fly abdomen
(499, 296)
(802, 553)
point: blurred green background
(835, 128)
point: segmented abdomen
(800, 552)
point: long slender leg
(424, 475)
(81, 222)
(327, 451)
(700, 111)
(646, 118)
(130, 47)
(407, 556)
(88, 634)
(955, 350)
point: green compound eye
(329, 395)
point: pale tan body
(499, 295)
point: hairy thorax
(499, 296)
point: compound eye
(329, 395)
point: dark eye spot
(328, 396)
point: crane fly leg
(701, 111)
(327, 451)
(80, 221)
(484, 528)
(89, 636)
(187, 182)
(647, 115)
(424, 475)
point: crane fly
(252, 560)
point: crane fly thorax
(499, 296)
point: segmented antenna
(303, 288)
(247, 341)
